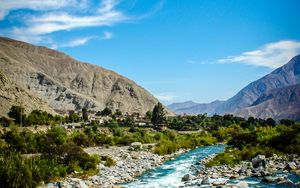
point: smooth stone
(206, 181)
(242, 184)
(216, 183)
(286, 182)
(269, 179)
(187, 177)
(259, 160)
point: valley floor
(128, 165)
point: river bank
(130, 162)
(260, 171)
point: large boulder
(259, 160)
(269, 179)
(242, 184)
(206, 181)
(286, 182)
(187, 177)
(136, 146)
(291, 166)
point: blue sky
(199, 50)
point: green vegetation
(108, 161)
(36, 117)
(266, 140)
(54, 155)
(171, 141)
(158, 115)
(27, 158)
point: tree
(106, 111)
(118, 113)
(270, 122)
(85, 115)
(287, 122)
(148, 115)
(17, 113)
(158, 115)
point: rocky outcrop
(282, 103)
(67, 84)
(12, 94)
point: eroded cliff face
(67, 84)
(12, 94)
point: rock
(286, 182)
(187, 177)
(136, 145)
(264, 173)
(206, 181)
(242, 170)
(269, 179)
(218, 183)
(120, 163)
(81, 184)
(259, 160)
(242, 184)
(291, 166)
(50, 185)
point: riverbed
(170, 173)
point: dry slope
(67, 84)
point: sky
(200, 50)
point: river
(170, 173)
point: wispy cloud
(74, 42)
(39, 26)
(272, 55)
(196, 62)
(166, 97)
(52, 16)
(7, 6)
(81, 41)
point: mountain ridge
(67, 84)
(280, 78)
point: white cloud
(272, 55)
(51, 16)
(166, 97)
(9, 5)
(81, 41)
(54, 21)
(75, 42)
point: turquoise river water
(170, 173)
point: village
(105, 118)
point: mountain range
(37, 77)
(276, 95)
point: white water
(169, 174)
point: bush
(108, 161)
(165, 147)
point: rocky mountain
(12, 94)
(288, 74)
(280, 103)
(244, 103)
(182, 105)
(63, 83)
(195, 108)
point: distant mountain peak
(256, 93)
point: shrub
(108, 161)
